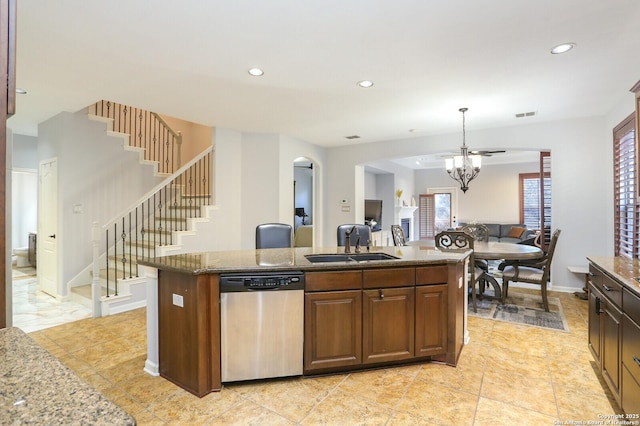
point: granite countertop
(36, 388)
(622, 269)
(294, 258)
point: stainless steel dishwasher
(261, 325)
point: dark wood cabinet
(605, 327)
(611, 340)
(376, 316)
(595, 325)
(431, 320)
(189, 331)
(332, 329)
(630, 369)
(388, 324)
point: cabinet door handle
(380, 294)
(637, 360)
(606, 287)
(598, 303)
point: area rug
(521, 308)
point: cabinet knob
(606, 287)
(637, 360)
(380, 293)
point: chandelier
(464, 167)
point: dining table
(494, 250)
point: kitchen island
(394, 306)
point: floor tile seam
(448, 386)
(517, 406)
(136, 345)
(244, 399)
(329, 392)
(125, 393)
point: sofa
(507, 232)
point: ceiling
(427, 58)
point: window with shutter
(426, 213)
(625, 197)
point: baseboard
(152, 368)
(126, 307)
(560, 289)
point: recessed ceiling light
(256, 72)
(562, 48)
(365, 83)
(20, 91)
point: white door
(47, 227)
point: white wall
(493, 196)
(253, 184)
(195, 137)
(94, 172)
(581, 170)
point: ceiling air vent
(525, 114)
(353, 137)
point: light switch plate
(178, 300)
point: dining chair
(364, 233)
(461, 241)
(398, 235)
(274, 235)
(531, 271)
(478, 231)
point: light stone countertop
(36, 388)
(294, 258)
(622, 269)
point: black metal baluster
(130, 262)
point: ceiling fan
(484, 153)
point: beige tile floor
(507, 375)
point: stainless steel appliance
(262, 325)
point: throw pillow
(516, 232)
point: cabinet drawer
(631, 305)
(612, 290)
(388, 277)
(336, 280)
(631, 346)
(432, 275)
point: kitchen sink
(349, 257)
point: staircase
(151, 223)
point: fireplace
(404, 218)
(405, 222)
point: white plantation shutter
(426, 213)
(625, 189)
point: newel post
(179, 141)
(96, 292)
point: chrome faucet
(347, 238)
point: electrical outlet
(178, 300)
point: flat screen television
(373, 214)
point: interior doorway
(47, 227)
(303, 206)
